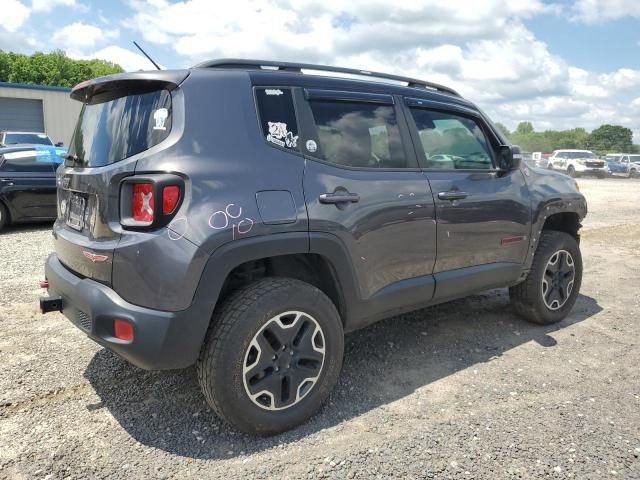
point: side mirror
(60, 144)
(509, 157)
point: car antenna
(145, 54)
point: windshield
(120, 127)
(634, 158)
(579, 155)
(31, 138)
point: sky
(559, 64)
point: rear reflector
(142, 202)
(122, 329)
(44, 283)
(170, 198)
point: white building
(37, 108)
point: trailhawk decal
(279, 135)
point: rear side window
(278, 117)
(29, 161)
(117, 128)
(451, 141)
(358, 134)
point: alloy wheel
(284, 360)
(558, 279)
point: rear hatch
(123, 117)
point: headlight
(580, 161)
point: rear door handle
(333, 198)
(452, 195)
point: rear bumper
(162, 340)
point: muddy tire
(550, 290)
(272, 355)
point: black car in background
(28, 183)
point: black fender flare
(576, 205)
(224, 259)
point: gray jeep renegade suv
(242, 215)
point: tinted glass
(30, 161)
(451, 141)
(358, 134)
(278, 117)
(113, 130)
(578, 155)
(32, 138)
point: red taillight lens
(142, 202)
(122, 330)
(170, 198)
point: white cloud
(13, 15)
(48, 5)
(482, 49)
(127, 59)
(597, 11)
(78, 36)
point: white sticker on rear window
(160, 116)
(42, 135)
(273, 91)
(279, 135)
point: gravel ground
(462, 390)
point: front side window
(358, 134)
(278, 117)
(451, 141)
(120, 126)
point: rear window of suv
(117, 127)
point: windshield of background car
(634, 158)
(30, 138)
(120, 126)
(579, 155)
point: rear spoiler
(167, 79)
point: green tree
(524, 128)
(505, 131)
(611, 137)
(53, 68)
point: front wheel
(552, 286)
(571, 171)
(272, 355)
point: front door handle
(333, 198)
(6, 181)
(452, 195)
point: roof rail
(298, 67)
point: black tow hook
(50, 304)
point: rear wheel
(4, 216)
(272, 355)
(633, 173)
(552, 286)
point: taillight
(149, 202)
(170, 198)
(142, 202)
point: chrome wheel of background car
(558, 278)
(284, 360)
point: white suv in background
(578, 162)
